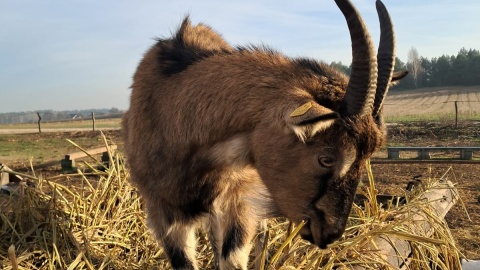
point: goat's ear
(310, 118)
(397, 76)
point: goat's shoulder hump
(188, 45)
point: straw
(95, 220)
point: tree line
(462, 69)
(50, 115)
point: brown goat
(235, 135)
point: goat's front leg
(178, 239)
(231, 235)
(260, 243)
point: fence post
(39, 119)
(93, 120)
(456, 114)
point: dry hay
(95, 221)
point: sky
(75, 55)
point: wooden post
(93, 120)
(456, 114)
(39, 119)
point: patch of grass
(44, 147)
(24, 148)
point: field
(76, 125)
(433, 104)
(24, 149)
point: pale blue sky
(75, 54)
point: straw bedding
(95, 220)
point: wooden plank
(406, 148)
(6, 177)
(466, 152)
(93, 151)
(395, 250)
(68, 163)
(426, 161)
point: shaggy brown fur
(209, 136)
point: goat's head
(312, 164)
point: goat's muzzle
(328, 217)
(317, 232)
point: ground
(15, 150)
(392, 178)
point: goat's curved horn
(385, 57)
(360, 93)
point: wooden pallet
(466, 152)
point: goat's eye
(326, 162)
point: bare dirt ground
(390, 178)
(393, 178)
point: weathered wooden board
(395, 250)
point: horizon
(82, 55)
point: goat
(231, 136)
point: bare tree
(414, 65)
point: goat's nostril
(306, 232)
(323, 244)
(308, 237)
(329, 236)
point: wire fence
(459, 111)
(433, 103)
